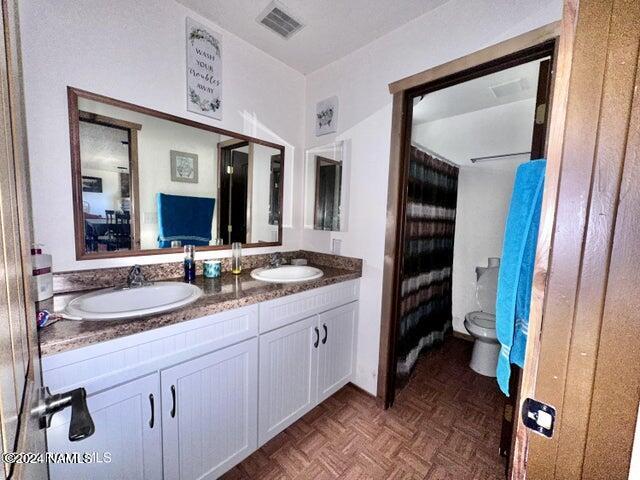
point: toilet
(481, 324)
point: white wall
(109, 198)
(135, 51)
(484, 192)
(361, 80)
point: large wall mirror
(147, 182)
(326, 195)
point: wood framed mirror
(147, 182)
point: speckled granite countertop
(225, 293)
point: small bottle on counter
(236, 259)
(189, 263)
(42, 275)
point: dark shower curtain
(425, 295)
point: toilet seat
(481, 325)
(482, 319)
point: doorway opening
(234, 213)
(463, 137)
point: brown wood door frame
(17, 266)
(529, 47)
(518, 50)
(586, 359)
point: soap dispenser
(42, 285)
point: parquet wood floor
(445, 424)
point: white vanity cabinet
(193, 399)
(303, 364)
(337, 349)
(288, 376)
(128, 430)
(209, 408)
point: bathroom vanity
(194, 397)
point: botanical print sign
(327, 116)
(204, 71)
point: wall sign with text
(204, 70)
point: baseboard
(463, 336)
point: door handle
(81, 425)
(173, 400)
(315, 344)
(153, 410)
(326, 332)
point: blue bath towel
(184, 218)
(515, 276)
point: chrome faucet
(276, 260)
(135, 278)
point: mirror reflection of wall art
(184, 167)
(327, 116)
(92, 184)
(204, 71)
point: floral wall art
(327, 116)
(204, 71)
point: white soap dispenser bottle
(42, 275)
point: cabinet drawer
(106, 364)
(282, 311)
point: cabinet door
(127, 443)
(288, 376)
(337, 349)
(209, 412)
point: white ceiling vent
(276, 18)
(510, 88)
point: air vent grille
(276, 19)
(513, 87)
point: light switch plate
(336, 246)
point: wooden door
(20, 378)
(337, 349)
(288, 375)
(209, 412)
(127, 443)
(583, 354)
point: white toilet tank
(487, 285)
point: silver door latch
(538, 417)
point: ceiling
(477, 94)
(333, 28)
(104, 148)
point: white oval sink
(287, 274)
(126, 303)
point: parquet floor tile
(444, 425)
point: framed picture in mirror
(184, 167)
(147, 182)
